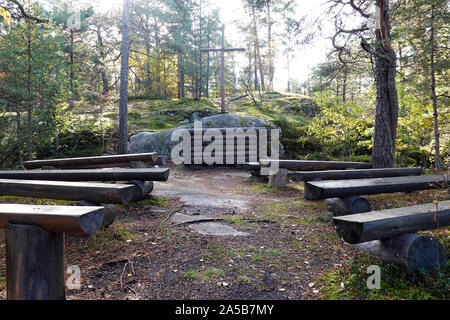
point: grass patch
(212, 273)
(260, 254)
(243, 279)
(351, 282)
(35, 201)
(218, 252)
(156, 201)
(191, 274)
(152, 201)
(257, 259)
(110, 238)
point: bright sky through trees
(232, 11)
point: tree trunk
(181, 94)
(344, 86)
(19, 137)
(123, 105)
(222, 73)
(207, 71)
(437, 157)
(103, 65)
(29, 104)
(258, 53)
(72, 70)
(270, 47)
(386, 119)
(200, 72)
(158, 62)
(256, 68)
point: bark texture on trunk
(386, 118)
(123, 106)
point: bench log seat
(62, 190)
(92, 162)
(149, 174)
(306, 165)
(384, 224)
(318, 190)
(354, 174)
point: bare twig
(129, 263)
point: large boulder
(161, 143)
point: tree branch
(25, 14)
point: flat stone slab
(192, 193)
(207, 228)
(182, 218)
(242, 174)
(216, 229)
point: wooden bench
(35, 246)
(306, 165)
(280, 177)
(388, 234)
(318, 190)
(384, 224)
(354, 174)
(149, 174)
(98, 193)
(48, 184)
(110, 161)
(248, 152)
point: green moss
(152, 200)
(35, 201)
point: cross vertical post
(222, 50)
(222, 73)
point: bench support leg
(279, 179)
(138, 164)
(34, 263)
(414, 252)
(349, 205)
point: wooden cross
(222, 66)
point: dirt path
(268, 243)
(205, 201)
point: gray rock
(161, 143)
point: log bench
(354, 174)
(319, 190)
(35, 246)
(306, 165)
(295, 165)
(110, 161)
(389, 235)
(77, 185)
(61, 190)
(148, 174)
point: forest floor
(281, 247)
